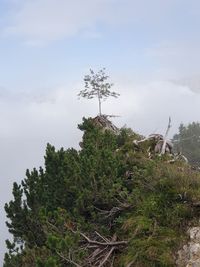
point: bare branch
(107, 257)
(104, 238)
(117, 243)
(67, 259)
(165, 137)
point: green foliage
(96, 85)
(76, 190)
(187, 141)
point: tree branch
(107, 257)
(111, 243)
(165, 137)
(67, 260)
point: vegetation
(187, 141)
(105, 205)
(96, 85)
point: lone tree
(96, 85)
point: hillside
(115, 202)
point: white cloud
(177, 60)
(55, 114)
(147, 107)
(41, 21)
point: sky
(150, 50)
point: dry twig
(67, 259)
(102, 253)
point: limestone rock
(189, 255)
(103, 122)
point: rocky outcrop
(189, 255)
(103, 122)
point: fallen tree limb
(99, 249)
(107, 257)
(165, 137)
(102, 252)
(114, 210)
(67, 259)
(102, 237)
(110, 243)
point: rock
(189, 255)
(103, 122)
(194, 233)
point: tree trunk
(99, 100)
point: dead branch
(110, 213)
(55, 228)
(99, 252)
(111, 243)
(102, 252)
(67, 259)
(96, 253)
(165, 138)
(110, 116)
(114, 210)
(104, 238)
(107, 257)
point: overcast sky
(149, 48)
